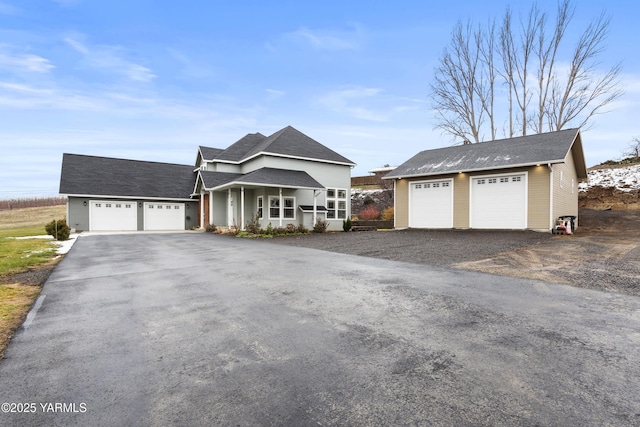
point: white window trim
(260, 209)
(337, 200)
(283, 208)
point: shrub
(388, 214)
(269, 231)
(210, 228)
(346, 224)
(253, 226)
(368, 200)
(321, 226)
(302, 229)
(58, 229)
(291, 229)
(369, 213)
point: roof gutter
(521, 165)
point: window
(176, 207)
(436, 185)
(289, 208)
(445, 184)
(492, 180)
(118, 205)
(98, 205)
(159, 206)
(127, 206)
(418, 185)
(260, 207)
(481, 181)
(516, 179)
(337, 203)
(427, 186)
(107, 205)
(504, 179)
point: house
(517, 183)
(285, 178)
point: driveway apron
(197, 329)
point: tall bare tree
(541, 91)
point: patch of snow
(63, 246)
(625, 178)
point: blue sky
(152, 80)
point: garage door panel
(499, 202)
(164, 216)
(113, 215)
(431, 204)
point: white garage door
(499, 201)
(113, 215)
(164, 216)
(431, 204)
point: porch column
(211, 207)
(315, 206)
(229, 209)
(201, 209)
(281, 213)
(241, 208)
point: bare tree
(541, 93)
(634, 148)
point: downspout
(395, 208)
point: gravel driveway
(603, 254)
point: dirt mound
(600, 198)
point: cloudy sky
(153, 79)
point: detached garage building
(107, 194)
(516, 183)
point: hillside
(611, 186)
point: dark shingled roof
(286, 142)
(209, 153)
(264, 176)
(216, 179)
(105, 176)
(529, 150)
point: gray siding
(78, 208)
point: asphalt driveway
(197, 329)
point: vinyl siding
(565, 195)
(538, 200)
(401, 211)
(538, 196)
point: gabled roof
(531, 150)
(239, 149)
(288, 142)
(105, 176)
(261, 177)
(209, 153)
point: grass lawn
(18, 256)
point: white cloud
(21, 62)
(345, 102)
(111, 58)
(7, 9)
(275, 94)
(325, 39)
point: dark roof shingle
(528, 150)
(106, 176)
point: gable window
(260, 199)
(288, 210)
(336, 203)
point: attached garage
(112, 215)
(499, 201)
(164, 216)
(431, 204)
